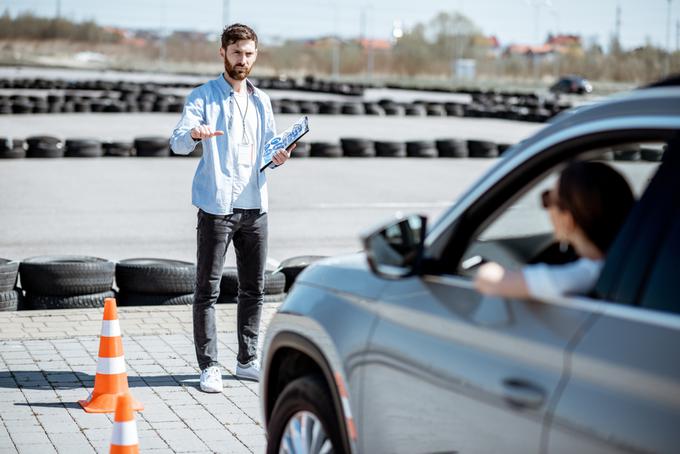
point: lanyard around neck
(244, 137)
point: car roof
(647, 102)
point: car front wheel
(303, 420)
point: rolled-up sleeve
(181, 141)
(552, 281)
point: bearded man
(233, 120)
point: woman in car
(587, 207)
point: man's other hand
(282, 155)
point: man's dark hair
(237, 32)
(598, 197)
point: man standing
(233, 120)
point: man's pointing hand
(204, 132)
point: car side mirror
(394, 251)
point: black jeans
(248, 230)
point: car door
(448, 370)
(622, 393)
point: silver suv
(393, 350)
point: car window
(663, 285)
(520, 232)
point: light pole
(667, 68)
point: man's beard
(238, 72)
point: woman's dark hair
(237, 32)
(598, 197)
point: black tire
(9, 270)
(353, 108)
(302, 150)
(66, 275)
(307, 393)
(421, 149)
(9, 300)
(12, 149)
(330, 108)
(293, 266)
(502, 148)
(36, 301)
(436, 110)
(274, 282)
(152, 146)
(44, 147)
(452, 148)
(651, 154)
(390, 149)
(482, 149)
(155, 276)
(83, 148)
(394, 110)
(415, 110)
(358, 148)
(373, 108)
(118, 149)
(325, 150)
(627, 153)
(145, 299)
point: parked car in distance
(393, 350)
(572, 85)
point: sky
(512, 21)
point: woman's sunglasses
(548, 200)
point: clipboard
(286, 139)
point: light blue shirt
(213, 104)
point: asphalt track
(121, 208)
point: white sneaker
(211, 380)
(250, 371)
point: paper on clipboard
(286, 139)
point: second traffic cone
(111, 378)
(124, 437)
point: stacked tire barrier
(10, 294)
(58, 282)
(64, 282)
(95, 96)
(354, 147)
(144, 282)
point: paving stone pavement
(48, 361)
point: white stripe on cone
(111, 366)
(124, 434)
(110, 328)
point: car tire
(155, 276)
(118, 149)
(66, 275)
(10, 300)
(309, 396)
(9, 270)
(301, 150)
(37, 301)
(145, 299)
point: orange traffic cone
(111, 379)
(124, 437)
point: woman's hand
(494, 280)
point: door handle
(522, 393)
